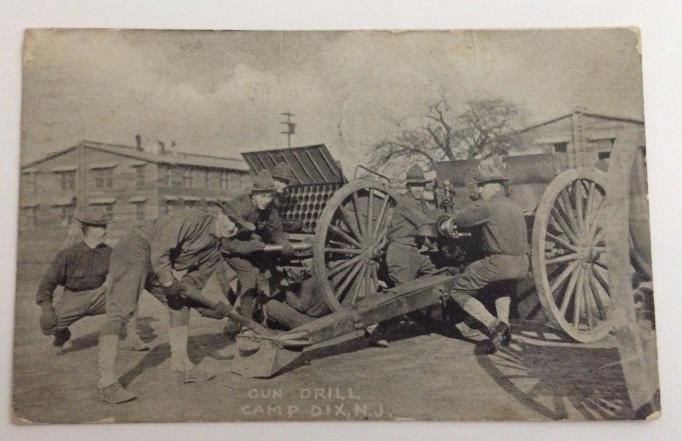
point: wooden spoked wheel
(629, 256)
(568, 246)
(350, 241)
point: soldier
(505, 246)
(244, 252)
(150, 257)
(81, 270)
(403, 258)
(300, 303)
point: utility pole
(290, 126)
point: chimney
(138, 142)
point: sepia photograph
(222, 226)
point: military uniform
(299, 305)
(505, 245)
(81, 270)
(403, 258)
(147, 258)
(243, 251)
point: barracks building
(127, 182)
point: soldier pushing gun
(505, 246)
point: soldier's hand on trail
(175, 290)
(48, 318)
(222, 308)
(288, 249)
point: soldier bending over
(146, 258)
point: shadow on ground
(559, 379)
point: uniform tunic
(82, 271)
(505, 244)
(300, 306)
(403, 258)
(147, 257)
(76, 268)
(240, 254)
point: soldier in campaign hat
(244, 252)
(505, 246)
(81, 269)
(403, 258)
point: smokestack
(138, 142)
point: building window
(29, 181)
(31, 216)
(65, 214)
(224, 179)
(140, 211)
(140, 176)
(104, 177)
(187, 177)
(166, 175)
(561, 147)
(207, 178)
(604, 155)
(169, 207)
(68, 180)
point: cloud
(223, 91)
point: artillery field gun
(591, 257)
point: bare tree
(483, 128)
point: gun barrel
(299, 246)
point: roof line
(615, 118)
(276, 149)
(130, 152)
(544, 123)
(50, 156)
(169, 153)
(590, 114)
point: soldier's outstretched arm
(475, 214)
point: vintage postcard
(350, 225)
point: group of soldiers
(173, 258)
(504, 245)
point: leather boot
(193, 375)
(115, 394)
(60, 339)
(494, 343)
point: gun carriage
(591, 258)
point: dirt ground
(421, 376)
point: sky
(221, 92)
